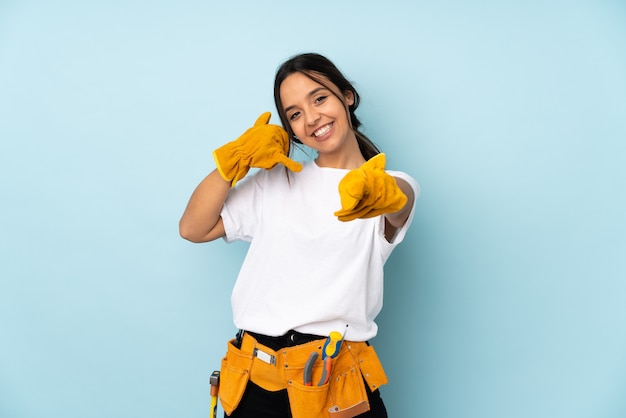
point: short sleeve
(243, 207)
(401, 232)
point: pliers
(308, 369)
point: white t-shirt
(306, 270)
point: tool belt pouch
(307, 401)
(344, 395)
(234, 376)
(371, 367)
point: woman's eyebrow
(311, 93)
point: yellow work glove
(369, 191)
(261, 146)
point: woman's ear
(349, 97)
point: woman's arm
(395, 220)
(201, 221)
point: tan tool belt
(343, 396)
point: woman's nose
(312, 116)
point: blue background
(507, 297)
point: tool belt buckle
(263, 356)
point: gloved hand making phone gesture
(369, 191)
(262, 146)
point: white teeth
(321, 131)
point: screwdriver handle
(332, 345)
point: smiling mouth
(322, 131)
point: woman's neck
(340, 161)
(349, 158)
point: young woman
(320, 232)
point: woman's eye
(294, 115)
(320, 99)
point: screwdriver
(332, 345)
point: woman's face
(317, 116)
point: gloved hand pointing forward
(369, 191)
(261, 146)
